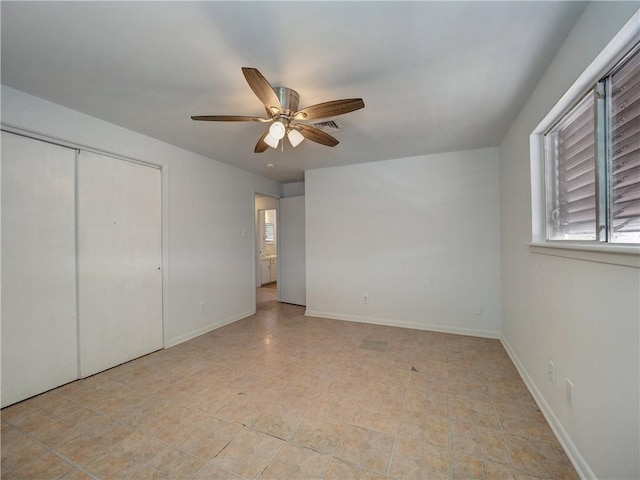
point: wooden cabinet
(269, 270)
(265, 277)
(273, 270)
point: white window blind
(624, 95)
(593, 162)
(269, 233)
(571, 154)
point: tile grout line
(504, 437)
(140, 430)
(450, 433)
(11, 470)
(395, 438)
(348, 424)
(61, 456)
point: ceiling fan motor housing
(289, 99)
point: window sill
(624, 255)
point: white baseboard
(208, 328)
(578, 461)
(401, 324)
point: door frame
(256, 240)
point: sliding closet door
(119, 261)
(39, 336)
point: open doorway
(266, 261)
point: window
(269, 233)
(592, 162)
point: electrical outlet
(570, 393)
(551, 369)
(201, 307)
(365, 298)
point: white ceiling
(434, 76)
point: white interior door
(291, 256)
(39, 335)
(119, 261)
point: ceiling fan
(281, 104)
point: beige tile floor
(280, 395)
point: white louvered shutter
(624, 166)
(571, 174)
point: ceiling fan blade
(315, 135)
(329, 109)
(230, 118)
(262, 88)
(261, 146)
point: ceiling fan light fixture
(271, 140)
(281, 104)
(295, 137)
(277, 130)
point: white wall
(584, 316)
(291, 258)
(293, 189)
(206, 207)
(419, 236)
